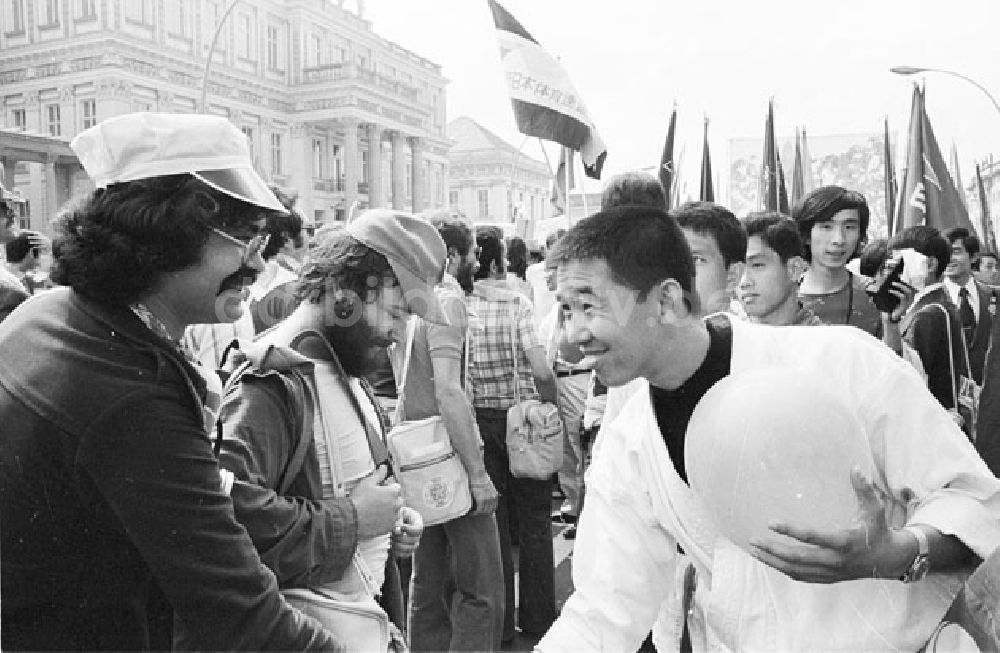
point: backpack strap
(305, 421)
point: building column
(352, 163)
(301, 170)
(376, 196)
(398, 171)
(9, 172)
(51, 186)
(419, 173)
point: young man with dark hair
(976, 301)
(649, 554)
(985, 269)
(114, 518)
(833, 224)
(926, 324)
(633, 188)
(718, 243)
(24, 260)
(769, 289)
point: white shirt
(628, 572)
(970, 285)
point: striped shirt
(498, 309)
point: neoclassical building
(331, 109)
(490, 180)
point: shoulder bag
(534, 429)
(434, 480)
(965, 391)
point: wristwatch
(921, 563)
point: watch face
(918, 570)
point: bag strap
(411, 327)
(302, 446)
(951, 354)
(375, 443)
(513, 349)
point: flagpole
(583, 189)
(567, 170)
(510, 182)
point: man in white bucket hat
(115, 522)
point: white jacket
(627, 569)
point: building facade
(331, 110)
(490, 180)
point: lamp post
(211, 53)
(913, 70)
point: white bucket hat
(142, 145)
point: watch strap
(923, 546)
(921, 562)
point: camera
(879, 289)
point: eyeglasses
(255, 245)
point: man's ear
(796, 266)
(673, 301)
(733, 275)
(932, 267)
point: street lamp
(913, 70)
(211, 53)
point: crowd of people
(197, 393)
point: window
(340, 54)
(139, 11)
(453, 198)
(88, 112)
(86, 9)
(315, 50)
(16, 15)
(19, 119)
(409, 180)
(484, 204)
(319, 158)
(245, 43)
(363, 57)
(364, 165)
(276, 154)
(248, 132)
(177, 18)
(51, 12)
(273, 63)
(55, 120)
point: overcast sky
(826, 67)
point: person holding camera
(928, 323)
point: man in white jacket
(648, 554)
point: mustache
(242, 277)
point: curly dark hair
(114, 244)
(517, 257)
(339, 262)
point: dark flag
(772, 177)
(546, 105)
(667, 171)
(989, 236)
(928, 193)
(707, 191)
(890, 181)
(798, 174)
